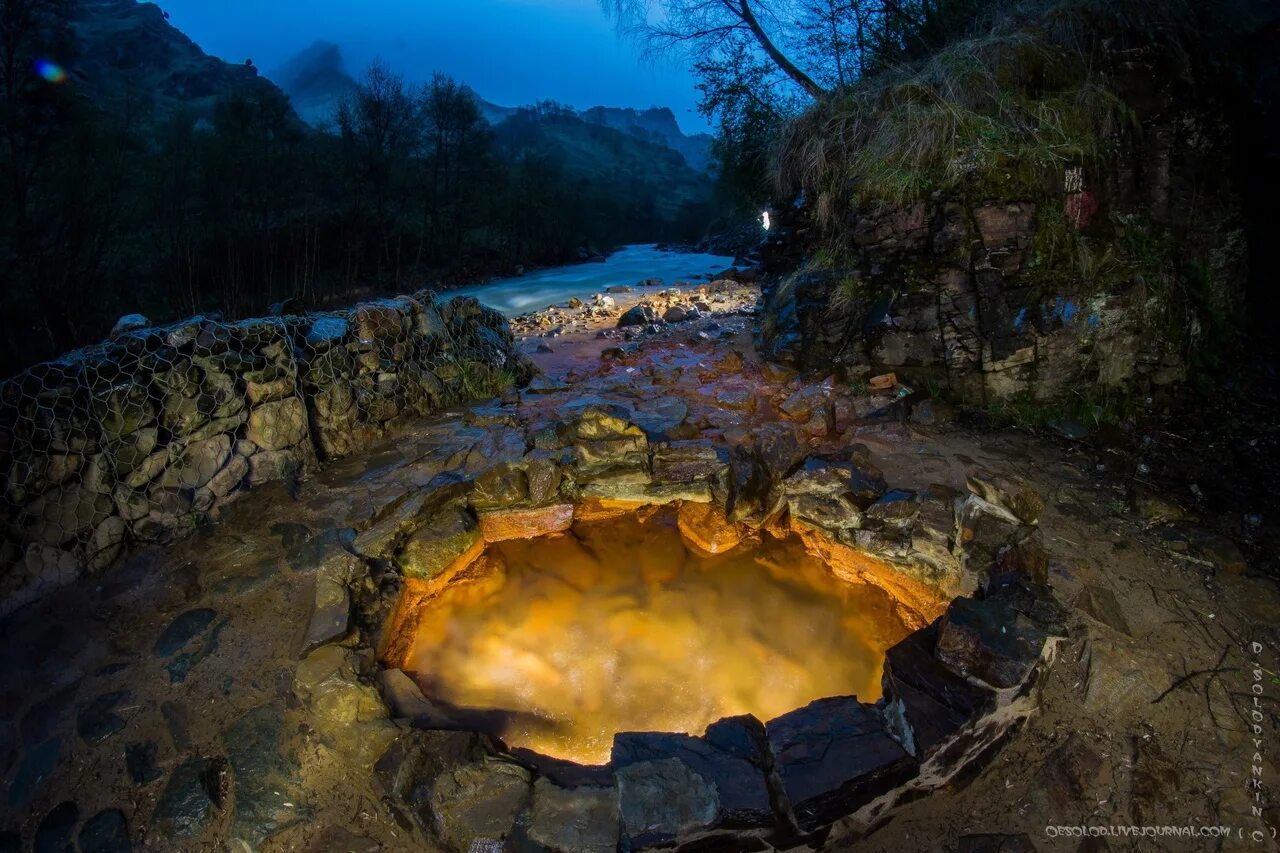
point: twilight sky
(511, 52)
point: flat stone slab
(671, 784)
(834, 755)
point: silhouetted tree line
(109, 209)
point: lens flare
(51, 71)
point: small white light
(764, 218)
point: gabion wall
(143, 437)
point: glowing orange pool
(559, 642)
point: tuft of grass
(999, 114)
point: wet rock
(35, 767)
(661, 419)
(56, 831)
(705, 529)
(182, 630)
(180, 666)
(140, 762)
(756, 473)
(687, 461)
(834, 755)
(98, 720)
(525, 523)
(577, 820)
(265, 771)
(185, 806)
(640, 315)
(450, 539)
(499, 486)
(105, 832)
(991, 640)
(933, 702)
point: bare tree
(709, 27)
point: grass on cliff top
(998, 113)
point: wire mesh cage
(143, 437)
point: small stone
(105, 832)
(99, 720)
(55, 832)
(185, 806)
(182, 630)
(129, 323)
(140, 762)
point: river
(628, 265)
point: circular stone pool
(622, 624)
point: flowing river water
(627, 266)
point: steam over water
(628, 265)
(619, 627)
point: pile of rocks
(142, 437)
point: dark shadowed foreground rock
(834, 755)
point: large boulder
(834, 755)
(448, 541)
(990, 639)
(640, 315)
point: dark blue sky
(511, 52)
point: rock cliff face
(1112, 277)
(142, 437)
(128, 51)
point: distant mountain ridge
(316, 80)
(128, 54)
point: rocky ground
(174, 701)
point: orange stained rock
(603, 509)
(918, 603)
(705, 528)
(500, 525)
